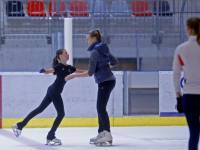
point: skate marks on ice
(25, 141)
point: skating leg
(16, 131)
(54, 142)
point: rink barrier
(171, 114)
(93, 122)
(79, 96)
(0, 102)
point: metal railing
(113, 16)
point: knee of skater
(61, 114)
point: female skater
(100, 62)
(53, 95)
(187, 58)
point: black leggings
(53, 95)
(191, 106)
(104, 90)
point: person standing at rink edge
(187, 58)
(100, 62)
(61, 70)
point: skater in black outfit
(101, 60)
(61, 70)
(187, 58)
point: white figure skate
(16, 131)
(54, 142)
(94, 139)
(105, 140)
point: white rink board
(24, 92)
(167, 95)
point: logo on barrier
(182, 82)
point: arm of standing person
(177, 68)
(71, 76)
(113, 61)
(91, 69)
(80, 71)
(47, 71)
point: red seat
(138, 7)
(36, 8)
(79, 7)
(61, 9)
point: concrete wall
(30, 53)
(25, 54)
(33, 54)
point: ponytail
(194, 23)
(198, 34)
(96, 34)
(99, 38)
(56, 58)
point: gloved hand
(179, 105)
(42, 71)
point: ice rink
(124, 138)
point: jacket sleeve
(93, 62)
(113, 60)
(177, 69)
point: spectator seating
(78, 9)
(100, 8)
(36, 8)
(141, 8)
(163, 8)
(14, 8)
(120, 9)
(61, 9)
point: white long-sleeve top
(187, 58)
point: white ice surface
(124, 138)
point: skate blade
(93, 143)
(104, 144)
(53, 144)
(15, 132)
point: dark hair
(55, 60)
(96, 34)
(194, 23)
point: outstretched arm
(91, 70)
(80, 71)
(71, 76)
(51, 70)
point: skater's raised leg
(16, 131)
(20, 125)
